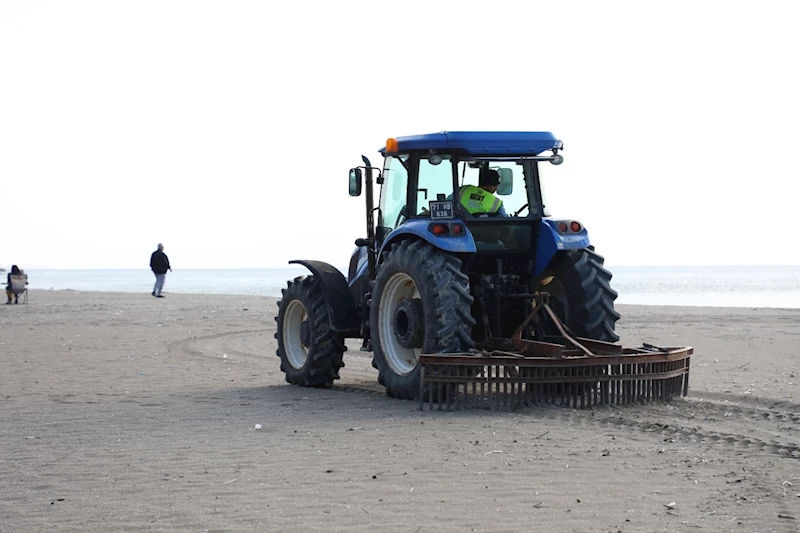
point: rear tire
(581, 294)
(311, 352)
(420, 304)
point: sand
(121, 412)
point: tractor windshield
(511, 189)
(510, 198)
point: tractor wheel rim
(293, 319)
(402, 360)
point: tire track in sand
(718, 419)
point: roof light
(575, 227)
(391, 145)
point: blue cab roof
(480, 142)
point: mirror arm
(370, 219)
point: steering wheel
(485, 215)
(516, 214)
(401, 214)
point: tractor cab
(467, 192)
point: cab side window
(433, 181)
(393, 195)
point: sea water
(739, 286)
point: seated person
(481, 199)
(15, 271)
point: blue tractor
(435, 274)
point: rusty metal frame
(586, 374)
(502, 379)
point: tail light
(447, 229)
(572, 226)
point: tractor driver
(481, 199)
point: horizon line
(290, 267)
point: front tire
(311, 352)
(420, 304)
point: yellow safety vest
(477, 200)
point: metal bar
(505, 385)
(572, 341)
(497, 389)
(573, 388)
(479, 360)
(525, 323)
(486, 373)
(489, 383)
(449, 387)
(430, 397)
(474, 392)
(530, 348)
(421, 387)
(686, 379)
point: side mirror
(506, 185)
(355, 182)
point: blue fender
(361, 266)
(342, 308)
(551, 242)
(463, 243)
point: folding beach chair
(19, 287)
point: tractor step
(507, 380)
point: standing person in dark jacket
(159, 264)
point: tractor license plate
(441, 210)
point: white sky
(226, 129)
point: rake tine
(497, 388)
(474, 390)
(626, 372)
(462, 372)
(623, 385)
(583, 388)
(496, 404)
(573, 389)
(615, 394)
(505, 386)
(686, 378)
(486, 376)
(447, 387)
(421, 387)
(487, 400)
(430, 396)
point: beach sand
(121, 412)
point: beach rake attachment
(578, 373)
